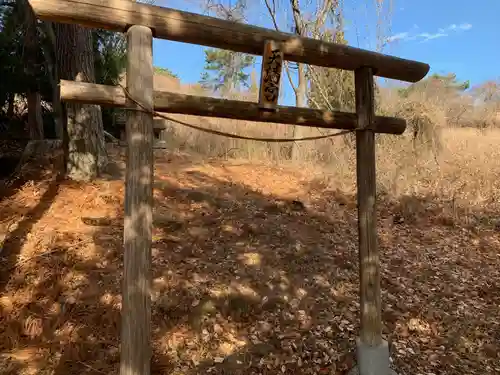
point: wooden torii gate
(141, 22)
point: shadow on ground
(247, 282)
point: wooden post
(136, 301)
(270, 79)
(369, 267)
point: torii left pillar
(135, 356)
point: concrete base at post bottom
(372, 360)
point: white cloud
(399, 36)
(455, 27)
(426, 36)
(437, 35)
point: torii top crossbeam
(173, 24)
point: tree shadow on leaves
(249, 283)
(13, 243)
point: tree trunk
(10, 105)
(86, 152)
(35, 121)
(300, 101)
(49, 49)
(301, 90)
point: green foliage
(225, 70)
(10, 48)
(110, 61)
(444, 91)
(165, 72)
(15, 79)
(436, 85)
(110, 56)
(109, 49)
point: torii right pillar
(372, 350)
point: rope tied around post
(142, 108)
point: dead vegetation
(255, 267)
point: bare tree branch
(272, 13)
(313, 75)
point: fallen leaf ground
(247, 280)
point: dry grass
(463, 166)
(248, 282)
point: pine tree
(110, 56)
(437, 86)
(225, 70)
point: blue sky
(456, 36)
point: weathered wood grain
(135, 354)
(231, 109)
(270, 77)
(369, 263)
(173, 24)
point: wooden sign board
(270, 80)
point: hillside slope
(255, 272)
